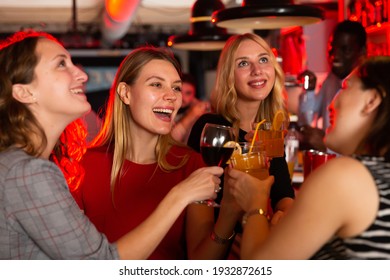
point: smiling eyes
(243, 63)
(160, 85)
(262, 60)
(156, 84)
(178, 89)
(65, 63)
(62, 63)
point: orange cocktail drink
(253, 162)
(271, 134)
(273, 140)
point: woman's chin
(328, 141)
(163, 131)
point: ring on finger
(217, 188)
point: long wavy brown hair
(18, 125)
(18, 60)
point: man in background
(347, 47)
(191, 109)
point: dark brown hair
(374, 74)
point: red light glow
(121, 10)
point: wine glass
(216, 146)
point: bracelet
(219, 240)
(254, 212)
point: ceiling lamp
(117, 18)
(267, 14)
(204, 35)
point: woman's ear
(22, 94)
(372, 102)
(123, 90)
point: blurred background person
(307, 114)
(347, 47)
(191, 109)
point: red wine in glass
(215, 148)
(216, 155)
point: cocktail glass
(273, 140)
(216, 146)
(251, 161)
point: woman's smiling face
(155, 97)
(348, 122)
(58, 86)
(254, 73)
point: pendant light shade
(267, 14)
(204, 35)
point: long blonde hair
(224, 96)
(116, 126)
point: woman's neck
(142, 148)
(52, 139)
(53, 128)
(248, 112)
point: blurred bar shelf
(378, 39)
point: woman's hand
(312, 138)
(198, 109)
(202, 184)
(249, 136)
(228, 201)
(249, 192)
(276, 217)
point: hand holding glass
(215, 148)
(251, 161)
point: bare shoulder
(344, 168)
(349, 186)
(336, 179)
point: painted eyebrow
(61, 56)
(245, 57)
(161, 79)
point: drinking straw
(255, 134)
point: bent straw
(255, 134)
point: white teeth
(258, 83)
(76, 91)
(337, 64)
(165, 111)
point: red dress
(136, 195)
